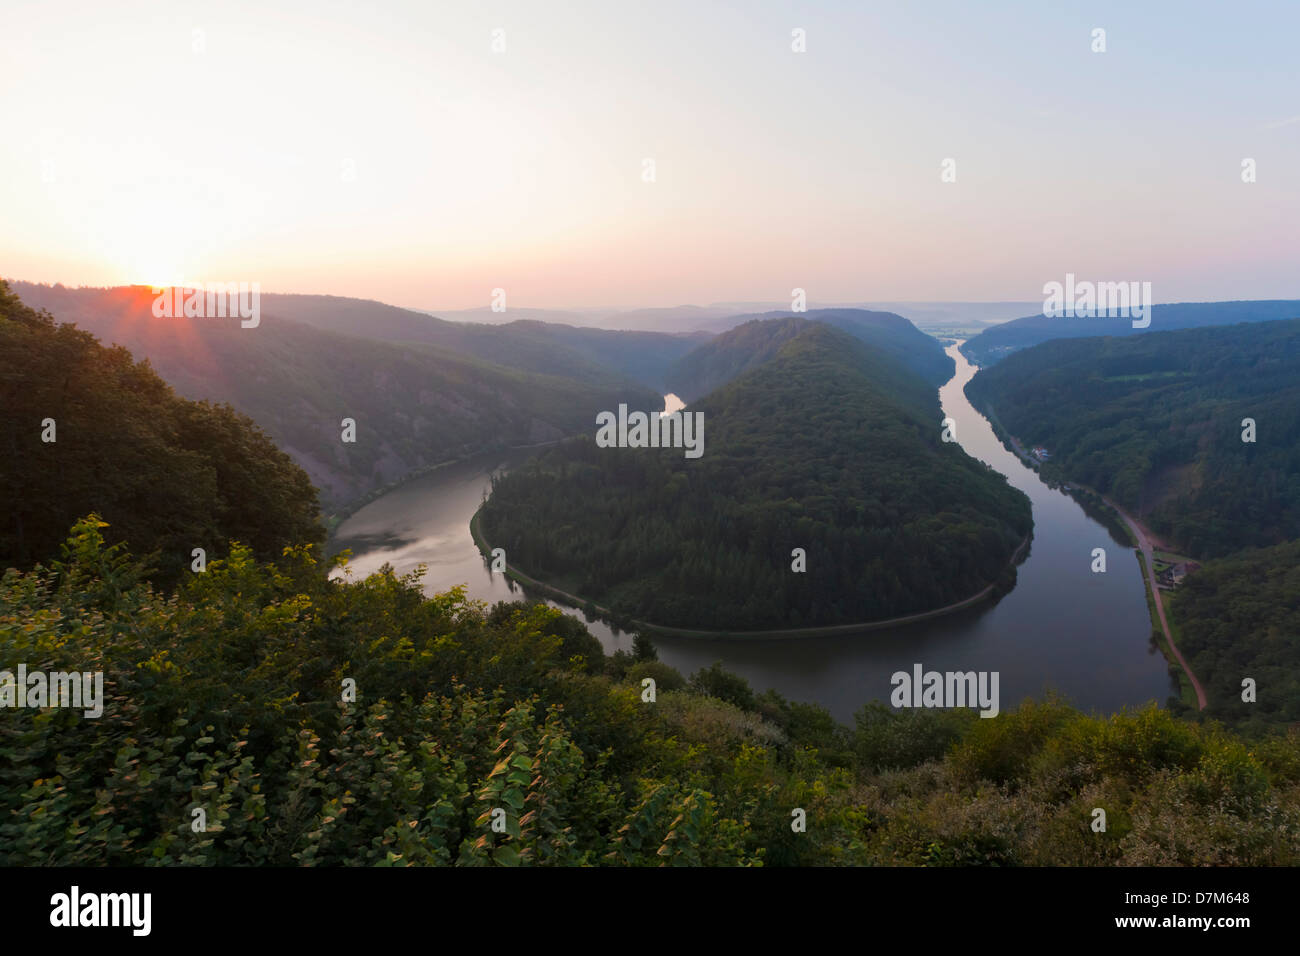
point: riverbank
(1060, 629)
(1145, 550)
(1191, 691)
(336, 518)
(591, 607)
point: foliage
(1001, 340)
(827, 447)
(760, 338)
(665, 677)
(1239, 617)
(416, 403)
(1155, 422)
(226, 697)
(169, 475)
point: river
(1064, 628)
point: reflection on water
(1064, 628)
(426, 521)
(672, 404)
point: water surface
(1062, 628)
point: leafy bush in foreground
(226, 698)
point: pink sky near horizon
(391, 154)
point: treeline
(88, 429)
(415, 403)
(827, 448)
(715, 363)
(261, 713)
(226, 740)
(750, 344)
(1239, 618)
(1155, 422)
(998, 341)
(590, 355)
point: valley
(1060, 629)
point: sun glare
(155, 272)
(144, 252)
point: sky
(388, 151)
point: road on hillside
(1144, 545)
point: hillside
(222, 690)
(722, 359)
(414, 405)
(642, 357)
(717, 362)
(1155, 421)
(886, 333)
(829, 446)
(169, 475)
(996, 343)
(1239, 617)
(462, 710)
(592, 355)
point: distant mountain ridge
(587, 354)
(414, 404)
(721, 316)
(994, 344)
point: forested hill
(887, 333)
(996, 343)
(1155, 421)
(719, 361)
(594, 356)
(227, 683)
(814, 449)
(722, 359)
(414, 404)
(230, 689)
(587, 354)
(87, 429)
(1239, 617)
